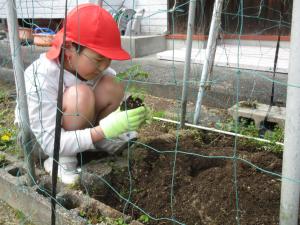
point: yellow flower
(5, 137)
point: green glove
(119, 122)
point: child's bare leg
(108, 96)
(78, 107)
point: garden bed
(205, 187)
(209, 185)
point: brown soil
(205, 189)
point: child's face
(88, 63)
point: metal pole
(289, 204)
(187, 65)
(59, 114)
(209, 55)
(15, 49)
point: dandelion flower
(5, 137)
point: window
(261, 17)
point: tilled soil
(207, 187)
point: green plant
(2, 158)
(144, 218)
(137, 92)
(82, 213)
(159, 113)
(3, 96)
(74, 185)
(7, 138)
(3, 161)
(22, 218)
(277, 135)
(7, 129)
(133, 73)
(248, 128)
(120, 221)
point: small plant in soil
(248, 128)
(131, 103)
(3, 160)
(136, 99)
(93, 216)
(144, 218)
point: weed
(74, 185)
(22, 218)
(248, 128)
(119, 221)
(159, 113)
(2, 158)
(144, 218)
(7, 129)
(82, 213)
(96, 219)
(3, 96)
(3, 161)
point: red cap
(93, 27)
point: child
(90, 92)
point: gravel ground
(10, 216)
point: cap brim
(111, 53)
(114, 54)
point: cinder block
(258, 113)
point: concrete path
(233, 56)
(227, 84)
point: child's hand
(120, 122)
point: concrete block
(32, 204)
(139, 46)
(92, 177)
(34, 201)
(258, 112)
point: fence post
(289, 204)
(187, 65)
(15, 49)
(209, 55)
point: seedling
(133, 73)
(120, 221)
(131, 103)
(144, 218)
(3, 161)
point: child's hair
(79, 48)
(90, 26)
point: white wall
(41, 8)
(154, 22)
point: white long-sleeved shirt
(41, 81)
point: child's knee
(79, 96)
(110, 89)
(116, 89)
(78, 107)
